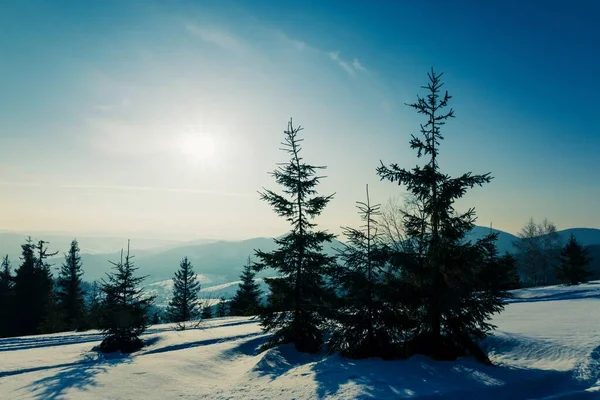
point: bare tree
(392, 227)
(538, 246)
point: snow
(547, 346)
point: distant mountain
(10, 243)
(219, 262)
(505, 242)
(585, 236)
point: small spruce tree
(35, 303)
(509, 278)
(70, 294)
(246, 301)
(298, 296)
(206, 311)
(453, 314)
(125, 309)
(363, 325)
(184, 306)
(222, 308)
(574, 263)
(94, 307)
(6, 298)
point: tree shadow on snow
(204, 342)
(429, 379)
(77, 375)
(33, 342)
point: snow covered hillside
(547, 346)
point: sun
(199, 148)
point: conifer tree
(184, 303)
(69, 291)
(453, 314)
(364, 325)
(246, 300)
(94, 307)
(222, 308)
(125, 309)
(574, 263)
(298, 296)
(510, 273)
(206, 311)
(6, 298)
(35, 310)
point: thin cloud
(335, 56)
(350, 68)
(217, 36)
(125, 188)
(358, 66)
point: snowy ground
(547, 346)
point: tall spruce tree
(298, 295)
(574, 263)
(363, 318)
(35, 310)
(246, 300)
(453, 314)
(184, 303)
(125, 309)
(6, 298)
(70, 294)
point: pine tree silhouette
(6, 298)
(70, 294)
(125, 308)
(444, 276)
(364, 321)
(574, 263)
(298, 297)
(246, 300)
(184, 303)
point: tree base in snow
(445, 348)
(110, 344)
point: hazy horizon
(165, 118)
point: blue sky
(164, 118)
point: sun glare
(198, 148)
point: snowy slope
(547, 346)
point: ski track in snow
(547, 346)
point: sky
(164, 118)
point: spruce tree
(125, 309)
(184, 303)
(206, 311)
(35, 303)
(363, 325)
(69, 291)
(298, 296)
(246, 301)
(6, 298)
(94, 307)
(453, 314)
(510, 273)
(574, 263)
(222, 308)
